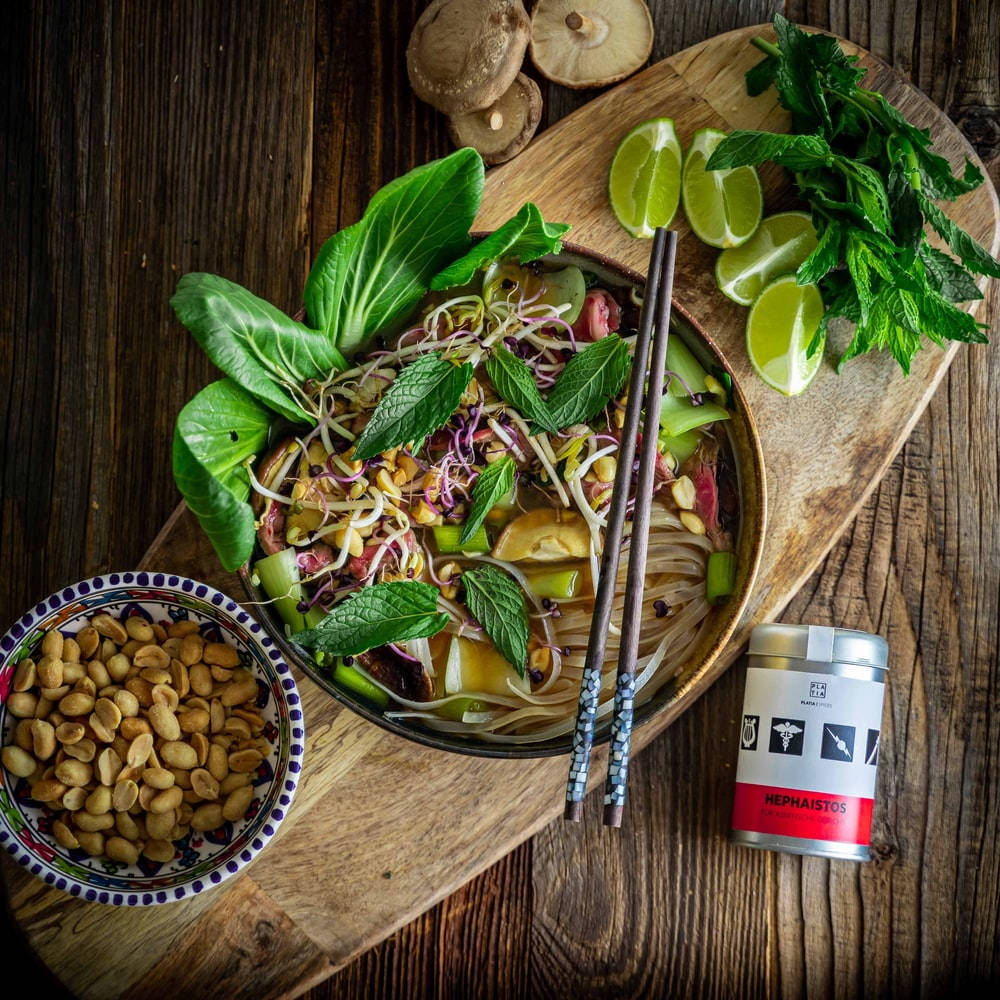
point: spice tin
(809, 740)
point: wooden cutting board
(382, 828)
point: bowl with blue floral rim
(201, 860)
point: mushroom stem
(494, 119)
(579, 22)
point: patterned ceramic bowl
(202, 860)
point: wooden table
(274, 125)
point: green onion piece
(279, 578)
(556, 584)
(678, 416)
(682, 362)
(456, 709)
(682, 447)
(355, 681)
(720, 580)
(448, 539)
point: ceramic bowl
(202, 860)
(692, 677)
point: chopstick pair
(655, 309)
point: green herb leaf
(745, 148)
(376, 616)
(254, 342)
(761, 76)
(591, 377)
(420, 400)
(798, 85)
(824, 258)
(971, 254)
(526, 236)
(497, 603)
(369, 276)
(491, 486)
(216, 432)
(515, 384)
(948, 278)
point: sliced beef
(407, 678)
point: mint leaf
(591, 377)
(252, 341)
(824, 258)
(491, 486)
(420, 400)
(497, 603)
(369, 276)
(761, 76)
(526, 236)
(971, 254)
(375, 616)
(216, 432)
(515, 384)
(745, 148)
(798, 85)
(948, 278)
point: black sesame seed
(348, 661)
(302, 607)
(661, 608)
(535, 675)
(546, 603)
(233, 436)
(315, 470)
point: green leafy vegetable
(216, 433)
(369, 276)
(497, 603)
(375, 616)
(869, 176)
(591, 377)
(253, 342)
(526, 236)
(491, 485)
(420, 400)
(515, 384)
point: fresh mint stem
(767, 47)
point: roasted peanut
(110, 628)
(24, 675)
(237, 803)
(22, 704)
(18, 762)
(221, 654)
(43, 739)
(139, 628)
(179, 754)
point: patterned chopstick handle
(583, 734)
(618, 757)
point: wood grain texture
(921, 557)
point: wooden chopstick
(590, 684)
(635, 581)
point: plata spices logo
(817, 689)
(786, 736)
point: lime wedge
(780, 244)
(723, 207)
(644, 182)
(780, 326)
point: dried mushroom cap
(464, 54)
(504, 128)
(590, 43)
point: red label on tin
(789, 812)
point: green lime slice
(780, 244)
(645, 179)
(723, 207)
(780, 326)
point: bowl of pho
(420, 529)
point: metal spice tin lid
(820, 643)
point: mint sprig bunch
(869, 177)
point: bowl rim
(217, 607)
(648, 711)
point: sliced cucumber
(449, 539)
(720, 577)
(682, 362)
(279, 577)
(678, 415)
